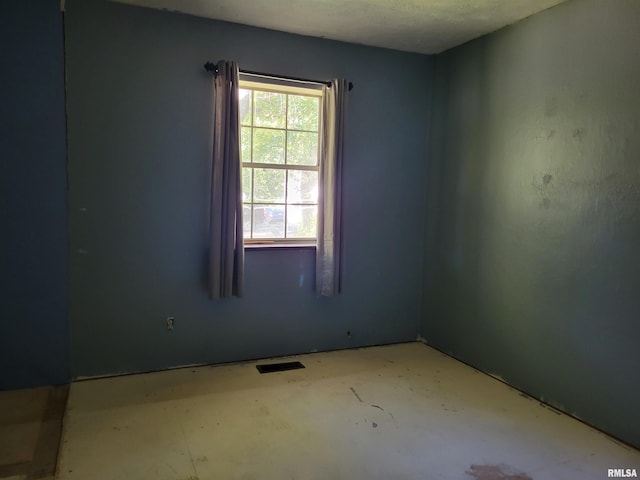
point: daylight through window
(279, 140)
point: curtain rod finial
(211, 67)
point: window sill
(267, 246)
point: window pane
(303, 113)
(245, 141)
(270, 109)
(302, 148)
(245, 106)
(246, 184)
(279, 129)
(301, 221)
(268, 145)
(246, 221)
(268, 185)
(302, 186)
(268, 221)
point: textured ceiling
(423, 26)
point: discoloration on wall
(579, 133)
(551, 107)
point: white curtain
(329, 246)
(226, 251)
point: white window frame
(290, 87)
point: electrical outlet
(170, 322)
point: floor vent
(279, 367)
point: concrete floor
(395, 412)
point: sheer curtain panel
(226, 250)
(329, 246)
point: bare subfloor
(396, 412)
(30, 426)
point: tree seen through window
(279, 149)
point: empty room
(291, 239)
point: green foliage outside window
(279, 148)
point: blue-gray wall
(139, 120)
(34, 281)
(534, 227)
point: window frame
(289, 87)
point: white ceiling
(423, 26)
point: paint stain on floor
(496, 472)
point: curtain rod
(211, 67)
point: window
(279, 153)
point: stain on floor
(496, 472)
